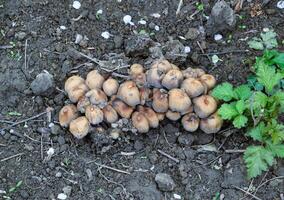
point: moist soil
(33, 40)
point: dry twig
(108, 167)
(168, 156)
(246, 192)
(10, 157)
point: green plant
(267, 40)
(12, 190)
(199, 6)
(257, 106)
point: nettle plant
(257, 106)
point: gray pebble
(61, 140)
(192, 34)
(165, 182)
(55, 129)
(58, 174)
(20, 35)
(43, 84)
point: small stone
(89, 174)
(28, 147)
(187, 49)
(192, 34)
(218, 37)
(105, 35)
(78, 38)
(62, 196)
(186, 139)
(43, 84)
(61, 140)
(270, 11)
(76, 5)
(280, 4)
(20, 35)
(118, 41)
(138, 145)
(165, 182)
(157, 28)
(138, 45)
(55, 129)
(127, 20)
(142, 21)
(151, 25)
(43, 130)
(67, 190)
(58, 174)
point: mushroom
(129, 93)
(94, 114)
(190, 122)
(83, 103)
(67, 114)
(139, 79)
(160, 101)
(204, 106)
(174, 116)
(110, 115)
(178, 100)
(94, 79)
(162, 65)
(189, 110)
(154, 77)
(72, 82)
(79, 127)
(122, 108)
(136, 69)
(77, 92)
(97, 97)
(145, 94)
(140, 122)
(175, 66)
(150, 115)
(110, 86)
(192, 87)
(212, 124)
(161, 116)
(172, 79)
(208, 80)
(192, 73)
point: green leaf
(240, 106)
(243, 92)
(279, 60)
(14, 113)
(240, 121)
(260, 99)
(256, 44)
(257, 160)
(269, 39)
(19, 184)
(224, 92)
(256, 133)
(277, 150)
(228, 111)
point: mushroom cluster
(146, 98)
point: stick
(168, 156)
(119, 75)
(235, 151)
(278, 177)
(128, 153)
(6, 121)
(224, 52)
(246, 192)
(110, 168)
(179, 7)
(3, 145)
(203, 51)
(6, 47)
(8, 158)
(90, 58)
(26, 44)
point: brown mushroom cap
(172, 79)
(190, 122)
(129, 93)
(161, 116)
(192, 87)
(145, 95)
(204, 106)
(178, 100)
(192, 72)
(175, 66)
(79, 127)
(72, 82)
(139, 79)
(83, 103)
(94, 79)
(174, 116)
(136, 69)
(189, 110)
(140, 122)
(160, 101)
(154, 77)
(94, 114)
(110, 115)
(67, 114)
(212, 124)
(209, 80)
(122, 108)
(97, 97)
(162, 65)
(77, 92)
(150, 115)
(110, 86)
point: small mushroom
(189, 110)
(136, 69)
(83, 103)
(139, 79)
(161, 116)
(145, 95)
(140, 122)
(67, 114)
(212, 124)
(204, 106)
(94, 79)
(122, 108)
(110, 115)
(175, 66)
(154, 77)
(77, 92)
(208, 80)
(162, 65)
(172, 79)
(110, 86)
(79, 127)
(150, 115)
(178, 100)
(192, 87)
(192, 73)
(97, 97)
(160, 101)
(190, 122)
(94, 114)
(72, 82)
(129, 93)
(174, 116)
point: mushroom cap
(67, 114)
(110, 86)
(175, 66)
(212, 124)
(151, 116)
(97, 97)
(79, 127)
(72, 82)
(192, 87)
(161, 116)
(162, 65)
(139, 79)
(209, 80)
(110, 115)
(192, 72)
(136, 69)
(204, 106)
(122, 108)
(174, 116)
(178, 100)
(189, 110)
(190, 122)
(154, 77)
(160, 101)
(172, 79)
(77, 92)
(94, 79)
(129, 93)
(83, 103)
(94, 114)
(145, 95)
(140, 122)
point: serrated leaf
(240, 106)
(224, 92)
(228, 111)
(243, 92)
(256, 44)
(279, 60)
(277, 150)
(257, 160)
(240, 121)
(269, 39)
(256, 133)
(260, 99)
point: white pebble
(157, 28)
(11, 131)
(156, 15)
(100, 11)
(265, 30)
(63, 27)
(78, 39)
(50, 151)
(142, 21)
(280, 4)
(50, 124)
(76, 5)
(62, 196)
(127, 20)
(218, 37)
(177, 196)
(187, 49)
(105, 35)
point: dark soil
(200, 173)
